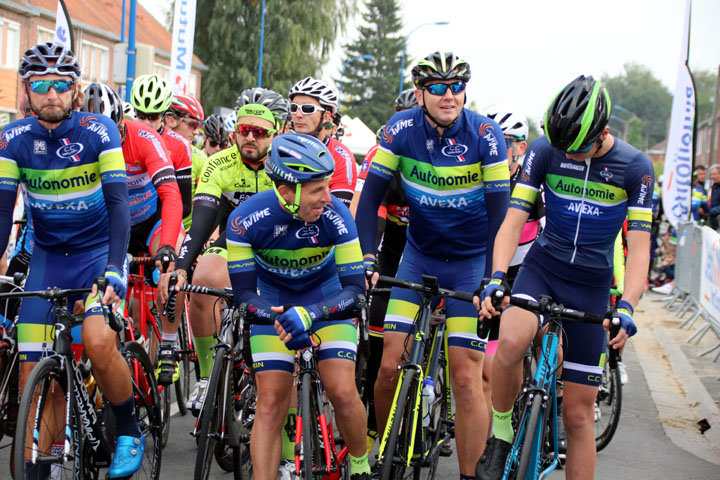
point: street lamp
(402, 62)
(262, 37)
(342, 73)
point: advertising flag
(63, 27)
(677, 175)
(182, 46)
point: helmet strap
(439, 125)
(296, 203)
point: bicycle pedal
(446, 450)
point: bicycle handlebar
(428, 287)
(169, 309)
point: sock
(125, 420)
(169, 338)
(359, 464)
(502, 426)
(288, 436)
(204, 354)
(467, 477)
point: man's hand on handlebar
(162, 288)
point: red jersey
(345, 177)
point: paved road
(641, 447)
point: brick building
(96, 29)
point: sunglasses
(582, 150)
(147, 116)
(214, 144)
(193, 124)
(439, 89)
(258, 132)
(43, 86)
(305, 108)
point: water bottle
(428, 398)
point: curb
(679, 396)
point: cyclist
(215, 136)
(71, 165)
(129, 111)
(298, 246)
(392, 221)
(229, 178)
(313, 105)
(155, 106)
(454, 171)
(592, 180)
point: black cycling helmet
(406, 100)
(440, 66)
(578, 115)
(276, 103)
(49, 58)
(214, 128)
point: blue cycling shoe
(128, 457)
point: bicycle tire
(211, 414)
(47, 375)
(438, 425)
(529, 436)
(182, 386)
(226, 455)
(609, 402)
(246, 418)
(9, 382)
(310, 431)
(148, 409)
(401, 428)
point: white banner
(710, 281)
(63, 29)
(677, 175)
(182, 46)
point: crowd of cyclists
(273, 205)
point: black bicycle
(62, 428)
(9, 361)
(226, 416)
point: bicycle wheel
(402, 429)
(438, 430)
(182, 386)
(165, 410)
(148, 408)
(9, 385)
(211, 428)
(608, 405)
(239, 419)
(227, 455)
(527, 444)
(310, 432)
(45, 391)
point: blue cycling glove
(300, 342)
(117, 279)
(497, 281)
(626, 311)
(298, 320)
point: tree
(369, 87)
(639, 91)
(297, 41)
(705, 82)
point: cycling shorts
(337, 338)
(36, 330)
(142, 234)
(461, 317)
(578, 288)
(219, 247)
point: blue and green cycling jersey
(270, 249)
(74, 176)
(586, 202)
(457, 185)
(699, 197)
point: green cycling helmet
(440, 66)
(151, 94)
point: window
(45, 35)
(9, 43)
(162, 71)
(192, 88)
(95, 62)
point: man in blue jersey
(297, 247)
(592, 181)
(453, 167)
(71, 166)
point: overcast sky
(521, 52)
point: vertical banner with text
(710, 277)
(677, 175)
(63, 27)
(183, 36)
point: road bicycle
(421, 421)
(608, 403)
(61, 427)
(534, 452)
(9, 362)
(226, 415)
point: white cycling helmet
(318, 89)
(230, 121)
(512, 123)
(129, 111)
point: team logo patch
(85, 121)
(430, 145)
(455, 150)
(235, 225)
(69, 150)
(280, 231)
(40, 147)
(3, 144)
(308, 231)
(484, 127)
(606, 174)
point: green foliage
(640, 92)
(533, 131)
(369, 87)
(298, 38)
(705, 82)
